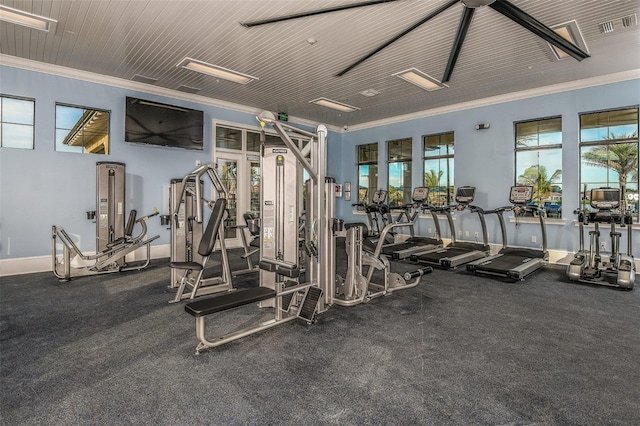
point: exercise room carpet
(458, 349)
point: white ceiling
(150, 37)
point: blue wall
(40, 188)
(485, 159)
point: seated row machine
(281, 286)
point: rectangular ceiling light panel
(420, 79)
(216, 71)
(334, 105)
(571, 32)
(20, 17)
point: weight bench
(202, 308)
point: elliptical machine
(593, 266)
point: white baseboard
(28, 265)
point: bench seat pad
(194, 266)
(219, 303)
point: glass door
(227, 168)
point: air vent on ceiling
(188, 89)
(369, 92)
(615, 24)
(143, 79)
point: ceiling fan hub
(473, 4)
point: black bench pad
(219, 303)
(194, 266)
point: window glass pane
(438, 145)
(17, 136)
(400, 183)
(367, 182)
(609, 125)
(253, 141)
(613, 162)
(368, 153)
(542, 169)
(228, 138)
(367, 172)
(438, 167)
(82, 130)
(399, 150)
(17, 120)
(17, 111)
(539, 132)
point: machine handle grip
(418, 273)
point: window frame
(84, 108)
(630, 199)
(552, 207)
(370, 162)
(405, 161)
(450, 175)
(32, 125)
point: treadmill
(515, 263)
(413, 244)
(458, 252)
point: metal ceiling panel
(150, 37)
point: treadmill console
(605, 198)
(420, 194)
(521, 195)
(465, 194)
(379, 197)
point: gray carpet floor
(457, 349)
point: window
(17, 122)
(82, 130)
(539, 161)
(438, 168)
(367, 172)
(609, 152)
(253, 141)
(399, 157)
(230, 138)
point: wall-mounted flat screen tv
(153, 123)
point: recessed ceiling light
(571, 32)
(420, 79)
(334, 104)
(20, 17)
(216, 71)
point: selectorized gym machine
(457, 252)
(282, 287)
(358, 286)
(593, 266)
(189, 255)
(114, 240)
(514, 262)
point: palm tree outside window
(538, 155)
(609, 153)
(438, 167)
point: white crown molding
(57, 70)
(60, 71)
(509, 97)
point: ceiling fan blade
(527, 21)
(250, 24)
(399, 36)
(465, 23)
